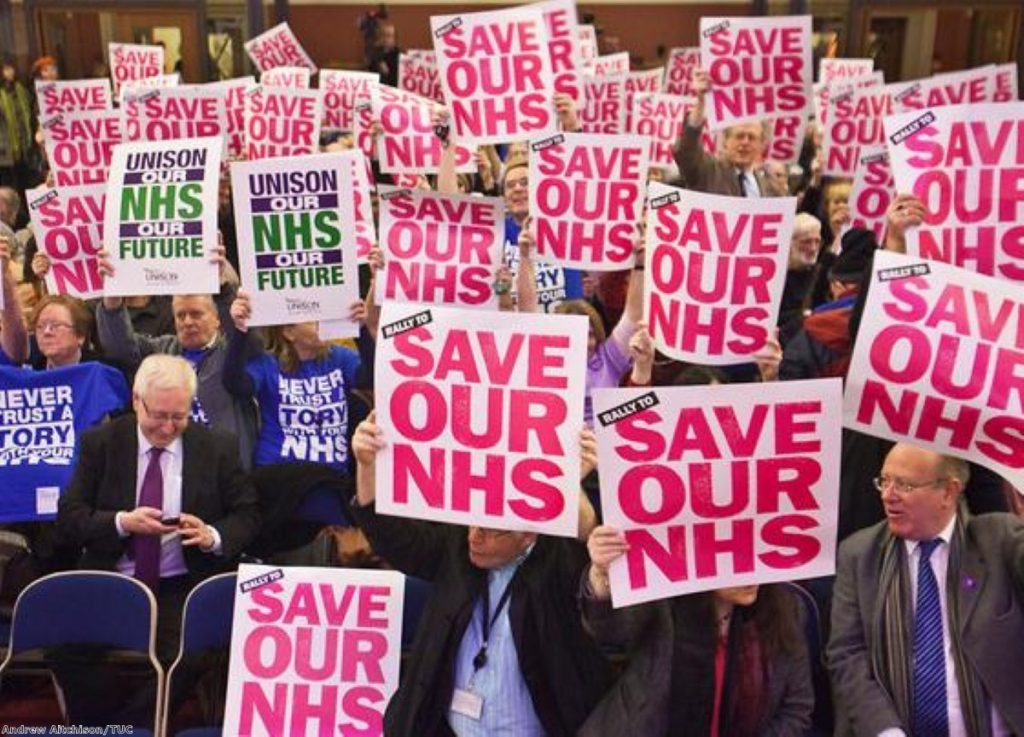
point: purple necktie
(147, 547)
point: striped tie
(929, 716)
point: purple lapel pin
(970, 583)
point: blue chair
(56, 610)
(417, 592)
(205, 625)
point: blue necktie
(742, 179)
(929, 659)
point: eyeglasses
(52, 326)
(901, 486)
(178, 418)
(510, 183)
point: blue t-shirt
(554, 284)
(304, 415)
(42, 413)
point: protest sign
(954, 88)
(408, 144)
(314, 651)
(586, 198)
(966, 163)
(73, 95)
(296, 78)
(496, 73)
(717, 486)
(854, 120)
(586, 35)
(439, 249)
(716, 267)
(873, 190)
(68, 226)
(759, 68)
(193, 111)
(611, 64)
(644, 82)
(79, 145)
(341, 91)
(362, 123)
(786, 139)
(831, 69)
(564, 47)
(450, 380)
(296, 236)
(281, 122)
(234, 103)
(937, 363)
(133, 62)
(366, 234)
(822, 92)
(160, 219)
(138, 86)
(1005, 82)
(42, 415)
(278, 47)
(418, 74)
(605, 109)
(660, 118)
(679, 71)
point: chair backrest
(208, 613)
(84, 607)
(206, 621)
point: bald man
(928, 615)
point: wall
(329, 32)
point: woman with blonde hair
(302, 385)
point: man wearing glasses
(159, 499)
(928, 611)
(500, 650)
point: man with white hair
(159, 498)
(802, 273)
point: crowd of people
(199, 467)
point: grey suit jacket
(227, 413)
(638, 703)
(703, 173)
(990, 591)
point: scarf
(892, 621)
(16, 110)
(692, 685)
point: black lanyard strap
(487, 623)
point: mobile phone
(171, 521)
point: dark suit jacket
(213, 487)
(703, 173)
(990, 593)
(564, 671)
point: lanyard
(486, 625)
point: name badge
(467, 704)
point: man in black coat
(534, 672)
(158, 499)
